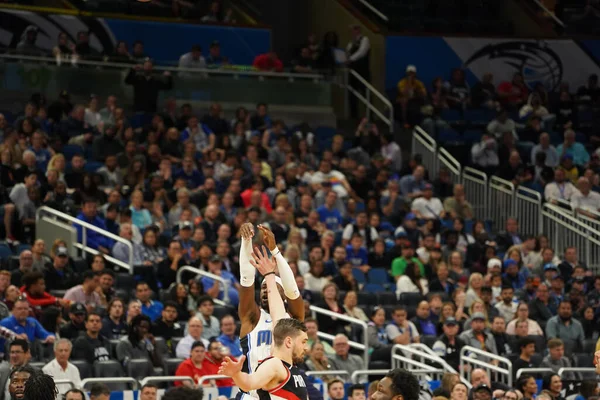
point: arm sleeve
(287, 278)
(364, 47)
(247, 271)
(40, 332)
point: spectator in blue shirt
(329, 214)
(571, 147)
(42, 156)
(513, 275)
(95, 240)
(194, 178)
(23, 325)
(356, 253)
(151, 308)
(412, 186)
(228, 338)
(214, 288)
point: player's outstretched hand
(261, 261)
(268, 237)
(247, 231)
(229, 367)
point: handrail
(124, 379)
(389, 121)
(570, 218)
(198, 271)
(331, 372)
(575, 369)
(211, 377)
(64, 382)
(422, 350)
(360, 372)
(112, 64)
(502, 184)
(449, 161)
(425, 139)
(475, 174)
(550, 13)
(351, 343)
(86, 225)
(170, 378)
(374, 10)
(318, 310)
(522, 371)
(469, 349)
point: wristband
(268, 273)
(275, 252)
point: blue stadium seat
(479, 115)
(93, 166)
(23, 247)
(359, 275)
(378, 275)
(9, 116)
(325, 132)
(5, 251)
(69, 150)
(450, 115)
(448, 135)
(139, 120)
(472, 135)
(374, 287)
(581, 137)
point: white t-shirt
(54, 369)
(429, 209)
(335, 178)
(591, 202)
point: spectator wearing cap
(557, 287)
(146, 87)
(86, 293)
(411, 92)
(527, 293)
(585, 201)
(507, 307)
(449, 344)
(527, 348)
(408, 256)
(22, 324)
(95, 240)
(409, 230)
(184, 237)
(120, 250)
(167, 268)
(59, 275)
(477, 335)
(565, 327)
(214, 287)
(427, 206)
(576, 150)
(76, 325)
(482, 392)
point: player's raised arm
(271, 372)
(266, 267)
(248, 309)
(288, 280)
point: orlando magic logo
(535, 60)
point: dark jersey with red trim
(292, 388)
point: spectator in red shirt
(257, 186)
(515, 93)
(216, 352)
(34, 289)
(193, 366)
(268, 62)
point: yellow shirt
(414, 88)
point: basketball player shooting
(276, 377)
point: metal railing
(367, 99)
(469, 355)
(223, 282)
(452, 165)
(172, 378)
(551, 14)
(374, 10)
(58, 382)
(591, 371)
(125, 379)
(501, 199)
(532, 371)
(331, 372)
(87, 226)
(527, 207)
(105, 63)
(210, 378)
(362, 372)
(475, 184)
(351, 343)
(426, 146)
(365, 345)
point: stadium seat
(472, 136)
(451, 115)
(378, 275)
(37, 364)
(174, 342)
(85, 369)
(124, 281)
(540, 343)
(22, 247)
(69, 150)
(221, 311)
(359, 275)
(80, 265)
(589, 346)
(107, 369)
(138, 368)
(12, 262)
(374, 287)
(448, 135)
(58, 293)
(93, 166)
(584, 360)
(428, 340)
(162, 347)
(113, 347)
(387, 298)
(316, 296)
(411, 299)
(170, 365)
(367, 298)
(5, 251)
